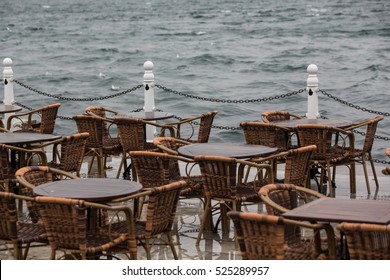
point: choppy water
(224, 49)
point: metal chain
(354, 106)
(230, 100)
(78, 99)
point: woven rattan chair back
(275, 116)
(104, 113)
(297, 165)
(262, 237)
(31, 176)
(18, 232)
(40, 120)
(202, 135)
(367, 241)
(66, 223)
(266, 134)
(71, 153)
(97, 145)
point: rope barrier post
(312, 89)
(149, 105)
(8, 78)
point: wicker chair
(279, 198)
(68, 152)
(157, 169)
(297, 165)
(18, 232)
(97, 146)
(335, 147)
(132, 135)
(203, 133)
(66, 224)
(160, 215)
(19, 157)
(225, 180)
(264, 237)
(363, 154)
(40, 120)
(275, 116)
(107, 116)
(31, 176)
(266, 134)
(367, 241)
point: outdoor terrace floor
(217, 246)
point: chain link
(354, 106)
(235, 101)
(78, 99)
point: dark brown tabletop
(343, 210)
(9, 108)
(329, 122)
(89, 189)
(21, 138)
(150, 116)
(233, 150)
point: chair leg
(366, 173)
(206, 212)
(147, 249)
(170, 240)
(373, 171)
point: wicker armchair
(66, 223)
(31, 176)
(266, 134)
(264, 237)
(186, 131)
(97, 146)
(18, 232)
(363, 154)
(160, 215)
(367, 241)
(12, 158)
(68, 152)
(107, 116)
(335, 147)
(157, 169)
(279, 198)
(297, 165)
(275, 116)
(132, 135)
(40, 120)
(225, 180)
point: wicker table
(233, 150)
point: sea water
(222, 49)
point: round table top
(328, 122)
(232, 150)
(89, 189)
(150, 116)
(9, 108)
(18, 138)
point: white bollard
(8, 76)
(149, 105)
(312, 90)
(8, 80)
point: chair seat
(97, 242)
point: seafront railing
(312, 90)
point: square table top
(342, 210)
